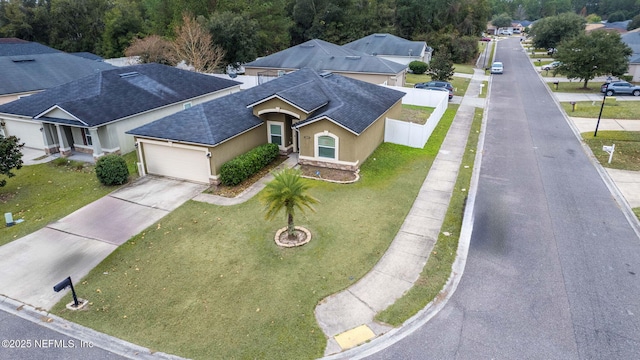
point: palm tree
(287, 191)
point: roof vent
(353, 57)
(380, 35)
(129, 74)
(22, 59)
(325, 74)
(307, 45)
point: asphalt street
(552, 264)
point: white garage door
(27, 131)
(176, 162)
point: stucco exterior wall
(392, 80)
(634, 70)
(279, 106)
(236, 146)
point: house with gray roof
(393, 48)
(632, 39)
(330, 120)
(27, 68)
(93, 113)
(323, 56)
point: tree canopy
(550, 31)
(595, 54)
(10, 157)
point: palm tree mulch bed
(302, 236)
(328, 174)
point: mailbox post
(65, 284)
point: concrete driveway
(78, 242)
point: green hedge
(418, 67)
(236, 170)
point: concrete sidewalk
(347, 318)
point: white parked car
(497, 68)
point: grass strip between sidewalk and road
(438, 268)
(623, 110)
(208, 281)
(627, 151)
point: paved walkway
(347, 318)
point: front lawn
(573, 86)
(209, 282)
(629, 110)
(627, 152)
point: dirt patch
(328, 174)
(233, 191)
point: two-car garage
(174, 160)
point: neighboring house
(92, 114)
(393, 48)
(632, 39)
(330, 120)
(323, 56)
(27, 68)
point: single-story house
(632, 39)
(323, 56)
(27, 68)
(329, 120)
(92, 114)
(393, 48)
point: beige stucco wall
(634, 70)
(393, 80)
(236, 146)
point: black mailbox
(65, 284)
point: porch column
(95, 140)
(63, 143)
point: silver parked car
(497, 68)
(620, 87)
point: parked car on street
(497, 68)
(620, 88)
(551, 66)
(487, 39)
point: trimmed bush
(238, 169)
(418, 67)
(112, 170)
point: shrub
(238, 169)
(418, 67)
(112, 170)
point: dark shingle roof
(632, 39)
(88, 55)
(120, 92)
(17, 47)
(387, 44)
(325, 56)
(350, 103)
(32, 72)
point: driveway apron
(75, 244)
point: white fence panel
(415, 135)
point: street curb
(90, 336)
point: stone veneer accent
(329, 165)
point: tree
(150, 49)
(236, 34)
(550, 31)
(287, 192)
(76, 25)
(441, 67)
(502, 20)
(596, 54)
(593, 19)
(10, 156)
(193, 45)
(635, 23)
(123, 22)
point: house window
(326, 146)
(86, 137)
(186, 106)
(275, 133)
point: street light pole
(604, 97)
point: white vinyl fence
(415, 135)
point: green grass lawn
(627, 152)
(438, 268)
(460, 84)
(416, 114)
(209, 280)
(629, 110)
(43, 193)
(574, 86)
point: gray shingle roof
(351, 103)
(321, 56)
(17, 47)
(632, 39)
(120, 92)
(22, 72)
(387, 44)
